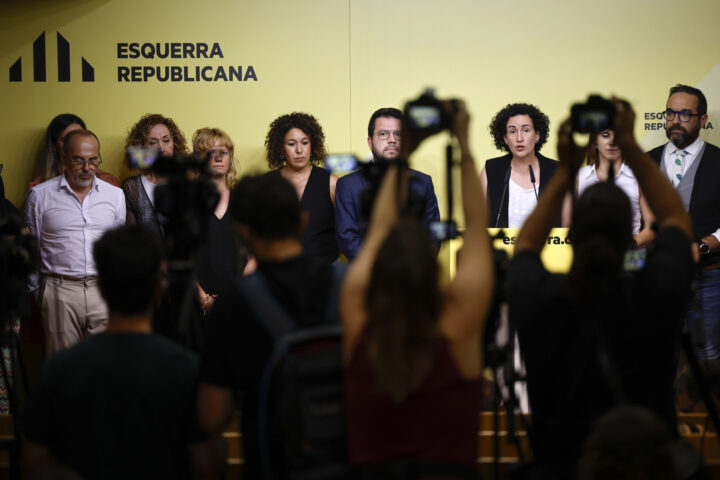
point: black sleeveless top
(496, 170)
(318, 239)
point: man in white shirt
(693, 167)
(68, 214)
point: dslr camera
(428, 113)
(593, 116)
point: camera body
(427, 112)
(593, 116)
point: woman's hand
(206, 301)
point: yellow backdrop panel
(340, 60)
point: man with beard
(693, 167)
(68, 214)
(351, 202)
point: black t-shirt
(560, 340)
(117, 405)
(239, 346)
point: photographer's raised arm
(469, 295)
(384, 217)
(662, 198)
(537, 226)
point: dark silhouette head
(601, 233)
(128, 261)
(268, 205)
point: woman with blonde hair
(218, 259)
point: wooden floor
(694, 427)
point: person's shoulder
(351, 179)
(349, 185)
(130, 182)
(498, 164)
(547, 160)
(501, 159)
(109, 189)
(47, 185)
(711, 148)
(585, 170)
(419, 176)
(175, 354)
(107, 177)
(656, 153)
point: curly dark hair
(275, 140)
(140, 130)
(541, 124)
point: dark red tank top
(436, 423)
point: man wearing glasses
(68, 214)
(693, 167)
(351, 205)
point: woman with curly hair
(513, 182)
(49, 164)
(154, 131)
(218, 259)
(295, 145)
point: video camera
(182, 200)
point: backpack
(301, 417)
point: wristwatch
(703, 247)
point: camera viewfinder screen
(424, 116)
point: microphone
(502, 199)
(532, 179)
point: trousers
(71, 310)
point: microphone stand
(532, 179)
(502, 199)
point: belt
(69, 278)
(714, 266)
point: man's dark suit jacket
(705, 198)
(351, 224)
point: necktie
(678, 166)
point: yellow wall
(340, 60)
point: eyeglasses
(385, 134)
(76, 162)
(684, 115)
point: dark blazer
(496, 170)
(139, 209)
(704, 207)
(351, 222)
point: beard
(680, 137)
(387, 154)
(80, 182)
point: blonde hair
(204, 139)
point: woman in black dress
(218, 259)
(295, 145)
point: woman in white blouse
(602, 154)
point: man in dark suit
(693, 167)
(384, 137)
